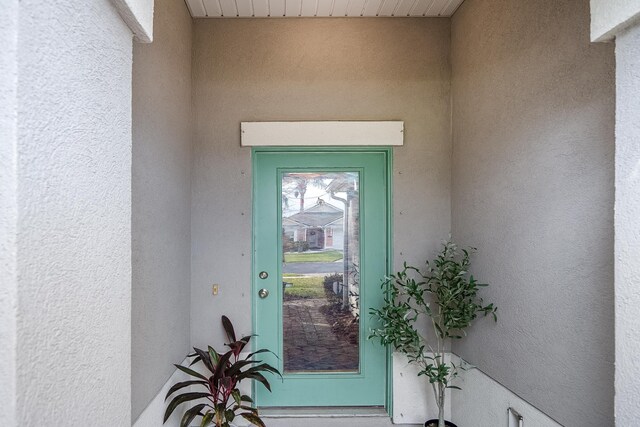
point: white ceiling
(320, 8)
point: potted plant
(447, 295)
(221, 400)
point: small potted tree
(442, 294)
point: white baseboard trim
(413, 398)
(485, 402)
(154, 412)
(481, 402)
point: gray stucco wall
(161, 202)
(74, 214)
(533, 114)
(310, 69)
(627, 222)
(8, 209)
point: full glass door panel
(320, 217)
(320, 253)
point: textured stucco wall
(8, 210)
(310, 69)
(608, 17)
(627, 223)
(533, 144)
(74, 214)
(161, 202)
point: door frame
(388, 153)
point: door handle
(263, 293)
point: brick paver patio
(309, 342)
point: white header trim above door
(306, 134)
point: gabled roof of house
(287, 221)
(319, 215)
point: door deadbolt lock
(263, 275)
(263, 293)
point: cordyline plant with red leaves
(222, 401)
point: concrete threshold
(324, 412)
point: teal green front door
(320, 227)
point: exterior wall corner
(138, 15)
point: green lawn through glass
(304, 287)
(325, 256)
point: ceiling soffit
(321, 8)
